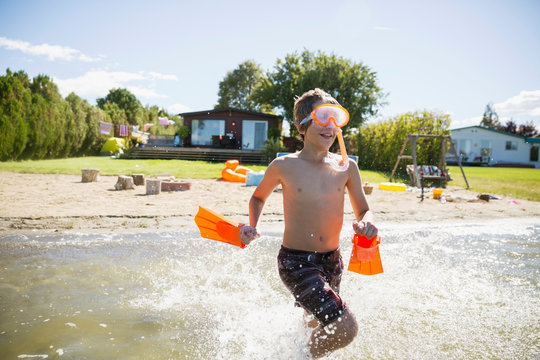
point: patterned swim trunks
(313, 278)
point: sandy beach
(56, 203)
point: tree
(490, 118)
(238, 86)
(354, 85)
(510, 127)
(15, 100)
(379, 144)
(528, 130)
(126, 101)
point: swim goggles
(325, 113)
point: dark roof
(206, 112)
(527, 139)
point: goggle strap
(305, 120)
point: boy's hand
(365, 228)
(248, 234)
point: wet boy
(309, 261)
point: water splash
(174, 295)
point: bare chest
(314, 182)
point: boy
(309, 261)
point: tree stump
(124, 183)
(138, 179)
(153, 186)
(90, 175)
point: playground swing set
(420, 174)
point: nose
(331, 122)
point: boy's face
(320, 136)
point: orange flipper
(365, 256)
(217, 227)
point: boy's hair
(303, 105)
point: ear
(303, 128)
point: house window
(465, 146)
(203, 130)
(534, 153)
(511, 145)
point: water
(457, 291)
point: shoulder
(285, 160)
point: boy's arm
(270, 180)
(364, 224)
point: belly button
(299, 189)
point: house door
(534, 153)
(254, 134)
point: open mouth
(327, 136)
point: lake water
(454, 291)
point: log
(124, 183)
(153, 186)
(138, 179)
(90, 175)
(175, 186)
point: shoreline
(62, 203)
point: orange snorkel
(342, 147)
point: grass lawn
(109, 166)
(514, 182)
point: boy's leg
(310, 320)
(336, 335)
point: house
(230, 128)
(477, 145)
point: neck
(310, 152)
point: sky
(450, 57)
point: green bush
(274, 133)
(272, 146)
(379, 144)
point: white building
(484, 146)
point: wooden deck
(205, 154)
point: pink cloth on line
(124, 131)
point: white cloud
(143, 92)
(158, 76)
(97, 83)
(459, 123)
(178, 108)
(52, 52)
(526, 103)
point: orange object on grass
(234, 172)
(365, 256)
(218, 227)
